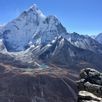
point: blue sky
(82, 16)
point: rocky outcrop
(90, 85)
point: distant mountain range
(45, 39)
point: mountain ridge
(36, 35)
(32, 27)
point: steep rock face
(49, 29)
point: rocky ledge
(90, 86)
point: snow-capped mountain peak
(34, 7)
(32, 27)
(19, 32)
(36, 10)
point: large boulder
(90, 85)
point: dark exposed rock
(89, 85)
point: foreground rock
(85, 96)
(90, 86)
(36, 85)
